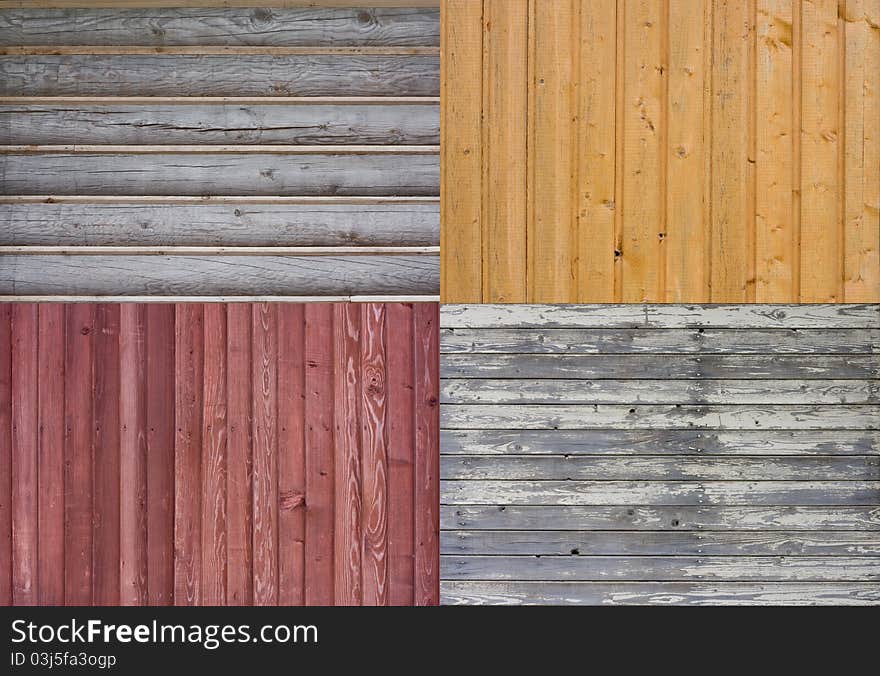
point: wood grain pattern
(247, 454)
(678, 151)
(574, 459)
(6, 417)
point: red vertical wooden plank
(214, 458)
(132, 456)
(374, 455)
(265, 478)
(239, 565)
(25, 469)
(319, 454)
(5, 454)
(50, 376)
(160, 453)
(399, 336)
(291, 455)
(105, 519)
(347, 556)
(427, 440)
(188, 379)
(78, 415)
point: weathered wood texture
(664, 151)
(100, 109)
(218, 454)
(585, 459)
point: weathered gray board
(111, 121)
(660, 454)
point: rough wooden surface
(631, 454)
(209, 474)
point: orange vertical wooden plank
(426, 364)
(105, 519)
(291, 455)
(25, 454)
(320, 441)
(374, 455)
(133, 455)
(594, 191)
(265, 463)
(461, 87)
(50, 378)
(6, 343)
(239, 567)
(505, 149)
(347, 555)
(160, 410)
(213, 490)
(78, 453)
(188, 411)
(399, 335)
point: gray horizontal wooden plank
(683, 493)
(220, 124)
(659, 341)
(658, 441)
(662, 568)
(211, 224)
(642, 517)
(667, 543)
(229, 75)
(749, 316)
(637, 416)
(222, 25)
(653, 367)
(659, 593)
(506, 391)
(230, 174)
(660, 468)
(218, 275)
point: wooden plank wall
(660, 454)
(678, 151)
(219, 151)
(218, 454)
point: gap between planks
(214, 199)
(221, 100)
(218, 149)
(219, 299)
(215, 50)
(220, 250)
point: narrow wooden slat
(259, 75)
(348, 551)
(213, 50)
(319, 416)
(323, 200)
(239, 495)
(634, 517)
(461, 82)
(268, 149)
(397, 298)
(401, 452)
(374, 454)
(79, 365)
(133, 589)
(265, 458)
(291, 455)
(684, 543)
(217, 251)
(821, 140)
(661, 493)
(662, 442)
(214, 458)
(427, 471)
(189, 358)
(160, 354)
(25, 457)
(505, 108)
(50, 379)
(661, 594)
(106, 459)
(596, 199)
(6, 454)
(118, 4)
(86, 101)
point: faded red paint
(219, 454)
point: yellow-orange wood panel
(661, 151)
